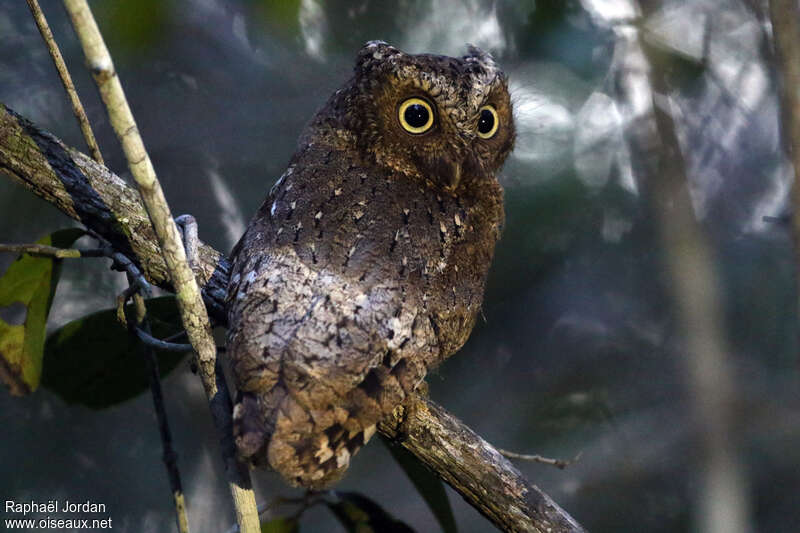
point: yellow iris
(488, 122)
(416, 115)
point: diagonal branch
(469, 464)
(91, 194)
(101, 201)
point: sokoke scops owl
(366, 264)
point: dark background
(580, 350)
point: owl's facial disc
(443, 120)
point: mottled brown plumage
(366, 264)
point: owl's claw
(187, 225)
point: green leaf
(30, 281)
(279, 17)
(427, 484)
(280, 525)
(133, 29)
(94, 361)
(359, 514)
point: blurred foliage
(30, 281)
(132, 28)
(277, 16)
(281, 525)
(680, 71)
(359, 514)
(428, 484)
(560, 31)
(545, 223)
(94, 361)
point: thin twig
(190, 302)
(120, 262)
(175, 336)
(43, 250)
(122, 301)
(170, 458)
(782, 219)
(123, 264)
(161, 345)
(66, 80)
(536, 458)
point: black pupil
(486, 122)
(416, 115)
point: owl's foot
(187, 225)
(249, 430)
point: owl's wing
(324, 337)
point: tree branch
(101, 201)
(469, 464)
(89, 193)
(786, 43)
(644, 94)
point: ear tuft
(374, 51)
(476, 54)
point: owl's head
(446, 121)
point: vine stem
(170, 458)
(66, 80)
(190, 303)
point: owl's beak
(455, 176)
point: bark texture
(104, 203)
(100, 200)
(473, 467)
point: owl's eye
(487, 122)
(416, 115)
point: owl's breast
(361, 234)
(453, 241)
(377, 229)
(348, 285)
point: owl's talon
(187, 225)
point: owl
(366, 264)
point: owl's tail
(312, 446)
